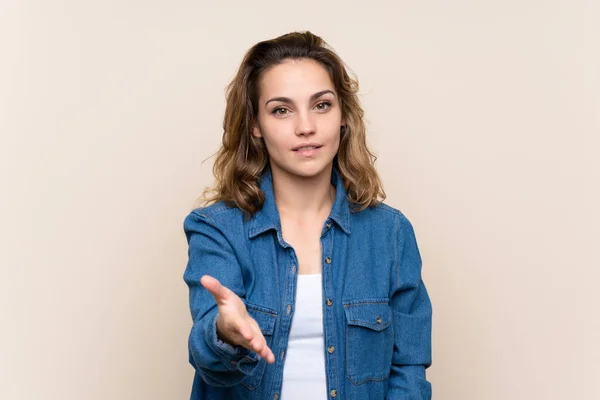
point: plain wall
(484, 115)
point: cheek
(276, 132)
(275, 138)
(334, 132)
(332, 124)
(336, 144)
(276, 145)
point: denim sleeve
(210, 253)
(412, 312)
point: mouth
(308, 146)
(308, 150)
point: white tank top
(304, 367)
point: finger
(258, 344)
(246, 332)
(270, 357)
(265, 352)
(219, 292)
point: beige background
(485, 119)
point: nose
(305, 124)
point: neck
(303, 197)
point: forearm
(408, 382)
(412, 317)
(217, 362)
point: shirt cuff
(234, 357)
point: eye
(280, 111)
(322, 106)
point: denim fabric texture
(376, 310)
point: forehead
(295, 78)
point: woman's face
(298, 107)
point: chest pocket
(369, 340)
(265, 318)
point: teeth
(307, 148)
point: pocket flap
(264, 317)
(376, 315)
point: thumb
(219, 292)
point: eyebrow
(289, 101)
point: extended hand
(234, 325)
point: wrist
(220, 334)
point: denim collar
(268, 216)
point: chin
(309, 170)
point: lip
(317, 145)
(308, 153)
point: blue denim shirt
(376, 310)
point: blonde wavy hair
(242, 158)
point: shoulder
(381, 213)
(217, 215)
(384, 218)
(386, 208)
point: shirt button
(275, 396)
(327, 260)
(328, 225)
(329, 302)
(293, 270)
(378, 320)
(289, 309)
(330, 349)
(282, 355)
(333, 393)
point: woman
(303, 284)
